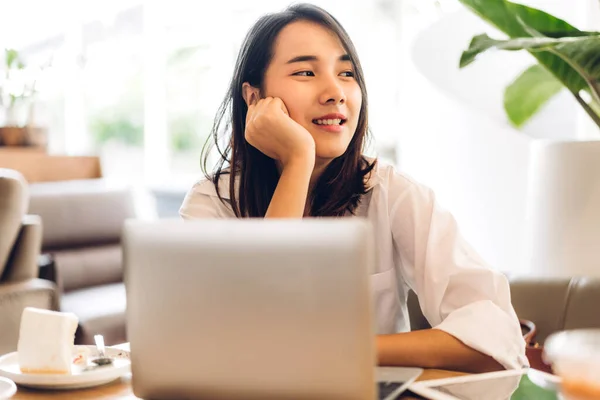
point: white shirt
(420, 248)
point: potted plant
(563, 210)
(17, 97)
(566, 57)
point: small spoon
(102, 359)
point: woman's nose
(333, 93)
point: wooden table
(121, 389)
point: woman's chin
(329, 153)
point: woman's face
(311, 72)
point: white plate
(7, 388)
(79, 377)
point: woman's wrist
(289, 198)
(301, 161)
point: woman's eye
(304, 73)
(348, 74)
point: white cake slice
(46, 341)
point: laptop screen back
(250, 308)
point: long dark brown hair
(344, 181)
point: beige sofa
(83, 222)
(20, 244)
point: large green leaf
(483, 42)
(529, 92)
(582, 53)
(512, 18)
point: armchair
(20, 245)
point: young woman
(294, 122)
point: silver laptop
(245, 309)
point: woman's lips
(330, 128)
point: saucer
(7, 388)
(80, 377)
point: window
(141, 81)
(112, 92)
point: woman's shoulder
(388, 177)
(206, 187)
(202, 201)
(394, 190)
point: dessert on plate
(46, 341)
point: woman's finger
(281, 105)
(250, 113)
(255, 107)
(262, 106)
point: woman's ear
(250, 93)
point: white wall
(477, 169)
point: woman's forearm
(289, 198)
(432, 348)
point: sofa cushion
(582, 308)
(101, 310)
(541, 300)
(23, 263)
(13, 204)
(81, 213)
(88, 266)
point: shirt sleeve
(200, 203)
(457, 291)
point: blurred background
(137, 84)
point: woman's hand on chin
(271, 130)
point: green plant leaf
(542, 22)
(10, 56)
(510, 18)
(119, 128)
(529, 92)
(581, 53)
(483, 42)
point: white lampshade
(563, 209)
